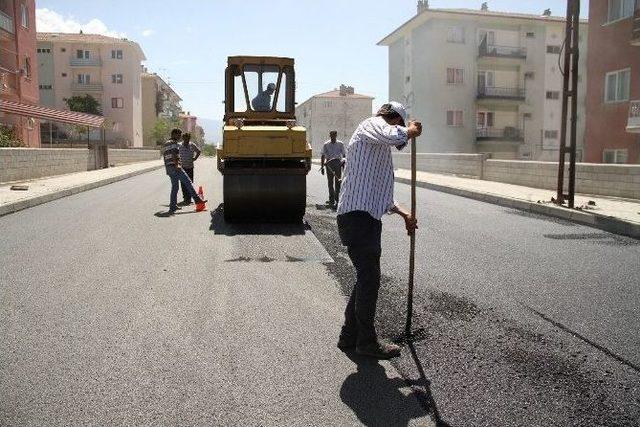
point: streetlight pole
(569, 93)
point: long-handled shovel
(412, 250)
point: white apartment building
(106, 68)
(483, 81)
(341, 110)
(159, 101)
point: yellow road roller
(264, 157)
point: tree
(162, 129)
(84, 104)
(8, 137)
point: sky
(187, 42)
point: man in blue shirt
(262, 102)
(171, 155)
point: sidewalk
(43, 190)
(616, 215)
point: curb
(29, 203)
(606, 223)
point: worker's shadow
(220, 226)
(378, 400)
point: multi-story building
(613, 93)
(107, 68)
(18, 75)
(483, 81)
(340, 110)
(159, 101)
(189, 122)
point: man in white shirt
(367, 194)
(333, 155)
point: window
(63, 49)
(553, 49)
(455, 76)
(84, 79)
(527, 116)
(485, 119)
(531, 35)
(64, 74)
(455, 35)
(117, 126)
(615, 156)
(43, 50)
(620, 9)
(617, 86)
(116, 78)
(116, 54)
(27, 67)
(45, 87)
(454, 118)
(489, 35)
(553, 94)
(530, 75)
(551, 134)
(25, 15)
(82, 54)
(328, 104)
(117, 103)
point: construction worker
(367, 195)
(171, 155)
(262, 101)
(189, 153)
(333, 155)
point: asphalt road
(111, 314)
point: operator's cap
(271, 86)
(394, 107)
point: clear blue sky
(333, 42)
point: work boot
(346, 343)
(184, 203)
(379, 350)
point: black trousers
(186, 196)
(334, 175)
(361, 234)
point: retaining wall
(469, 165)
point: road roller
(264, 157)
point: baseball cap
(394, 107)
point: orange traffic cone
(201, 205)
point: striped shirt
(169, 151)
(368, 176)
(187, 153)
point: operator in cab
(262, 102)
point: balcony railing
(6, 22)
(515, 93)
(505, 134)
(495, 51)
(85, 62)
(633, 125)
(635, 35)
(82, 87)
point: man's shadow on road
(378, 401)
(220, 226)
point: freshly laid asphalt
(111, 314)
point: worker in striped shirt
(366, 196)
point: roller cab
(264, 157)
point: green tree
(162, 129)
(84, 104)
(8, 137)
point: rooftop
(338, 94)
(147, 75)
(88, 38)
(427, 14)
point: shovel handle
(412, 237)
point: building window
(45, 87)
(117, 103)
(64, 74)
(328, 104)
(43, 50)
(82, 54)
(553, 94)
(25, 15)
(530, 75)
(617, 86)
(117, 126)
(455, 35)
(553, 49)
(27, 67)
(615, 156)
(84, 79)
(116, 54)
(63, 49)
(531, 35)
(116, 78)
(620, 9)
(455, 76)
(551, 134)
(454, 118)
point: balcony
(8, 82)
(492, 51)
(82, 87)
(635, 35)
(501, 93)
(6, 23)
(633, 125)
(511, 134)
(85, 62)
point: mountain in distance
(212, 130)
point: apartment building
(613, 92)
(341, 110)
(484, 81)
(159, 101)
(18, 75)
(107, 68)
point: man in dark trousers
(333, 155)
(189, 153)
(367, 195)
(171, 155)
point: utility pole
(569, 92)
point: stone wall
(469, 165)
(18, 164)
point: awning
(51, 114)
